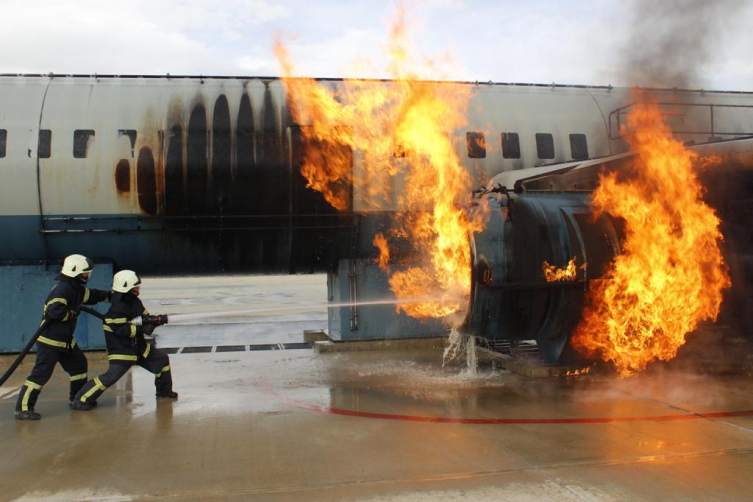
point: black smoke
(671, 41)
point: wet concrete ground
(377, 426)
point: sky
(592, 42)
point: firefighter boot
(80, 406)
(93, 404)
(168, 394)
(27, 415)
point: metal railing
(616, 120)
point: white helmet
(75, 265)
(125, 280)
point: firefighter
(128, 344)
(56, 343)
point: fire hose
(33, 340)
(23, 353)
(139, 321)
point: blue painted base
(363, 281)
(23, 290)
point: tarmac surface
(292, 424)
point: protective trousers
(156, 362)
(73, 362)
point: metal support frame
(619, 112)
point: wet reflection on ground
(289, 424)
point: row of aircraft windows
(83, 139)
(475, 144)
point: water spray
(173, 318)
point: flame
(552, 273)
(671, 273)
(400, 133)
(579, 372)
(384, 252)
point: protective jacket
(125, 341)
(62, 308)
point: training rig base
(24, 286)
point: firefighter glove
(156, 320)
(148, 329)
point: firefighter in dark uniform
(127, 343)
(56, 343)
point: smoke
(670, 42)
(672, 391)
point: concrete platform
(378, 425)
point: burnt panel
(307, 200)
(244, 155)
(221, 147)
(729, 190)
(197, 166)
(319, 234)
(271, 180)
(146, 181)
(44, 147)
(123, 176)
(174, 179)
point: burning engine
(529, 227)
(550, 218)
(510, 298)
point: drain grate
(514, 348)
(230, 348)
(236, 348)
(296, 345)
(195, 350)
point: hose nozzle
(155, 320)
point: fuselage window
(544, 145)
(131, 133)
(44, 147)
(476, 144)
(83, 139)
(578, 146)
(3, 141)
(510, 145)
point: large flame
(671, 273)
(398, 133)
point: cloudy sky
(583, 42)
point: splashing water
(457, 344)
(454, 346)
(471, 356)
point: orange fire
(552, 273)
(578, 372)
(384, 252)
(390, 142)
(671, 273)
